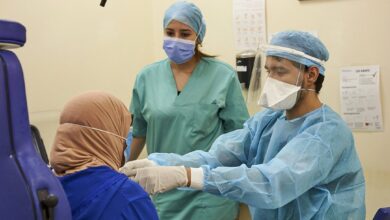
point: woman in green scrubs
(184, 103)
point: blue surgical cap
(303, 42)
(187, 13)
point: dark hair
(199, 54)
(318, 83)
(320, 78)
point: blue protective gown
(102, 193)
(306, 168)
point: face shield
(255, 80)
(293, 55)
(280, 95)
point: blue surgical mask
(179, 50)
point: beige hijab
(91, 131)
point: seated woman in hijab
(87, 153)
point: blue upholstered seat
(29, 190)
(382, 214)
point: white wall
(74, 46)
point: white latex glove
(160, 179)
(130, 168)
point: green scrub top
(210, 104)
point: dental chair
(29, 190)
(382, 214)
(38, 144)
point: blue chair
(29, 190)
(382, 214)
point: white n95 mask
(278, 95)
